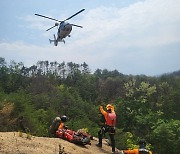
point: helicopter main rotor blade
(47, 17)
(51, 27)
(76, 25)
(75, 14)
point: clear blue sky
(131, 36)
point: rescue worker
(62, 124)
(78, 137)
(142, 149)
(54, 126)
(109, 125)
(63, 131)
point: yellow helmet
(109, 107)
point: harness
(109, 124)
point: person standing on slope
(109, 125)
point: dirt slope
(17, 143)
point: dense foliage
(146, 107)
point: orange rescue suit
(61, 126)
(109, 117)
(134, 151)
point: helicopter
(64, 28)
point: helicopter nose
(68, 27)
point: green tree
(166, 137)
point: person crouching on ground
(142, 149)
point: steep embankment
(21, 143)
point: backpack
(54, 126)
(111, 121)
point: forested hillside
(146, 107)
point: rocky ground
(21, 143)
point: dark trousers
(111, 132)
